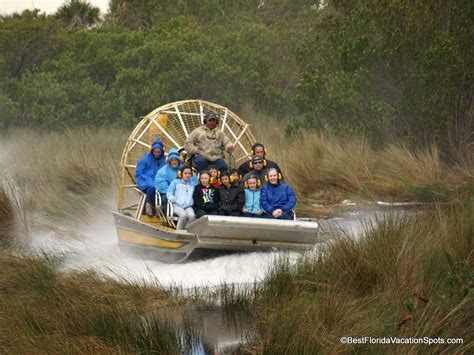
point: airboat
(157, 237)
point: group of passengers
(255, 189)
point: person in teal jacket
(278, 198)
(166, 175)
(252, 198)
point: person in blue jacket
(180, 194)
(145, 173)
(277, 198)
(166, 175)
(252, 198)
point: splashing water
(97, 248)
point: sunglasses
(211, 120)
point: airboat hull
(156, 241)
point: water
(95, 247)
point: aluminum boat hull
(153, 239)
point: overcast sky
(49, 6)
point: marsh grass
(7, 216)
(44, 311)
(327, 168)
(15, 216)
(408, 275)
(68, 175)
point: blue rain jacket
(166, 174)
(279, 196)
(148, 166)
(180, 193)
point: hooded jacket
(212, 143)
(180, 193)
(252, 201)
(231, 199)
(148, 166)
(206, 198)
(279, 196)
(166, 174)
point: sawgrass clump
(406, 276)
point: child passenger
(231, 197)
(206, 196)
(180, 194)
(215, 175)
(235, 176)
(252, 198)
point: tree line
(388, 69)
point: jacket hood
(157, 144)
(173, 154)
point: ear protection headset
(232, 178)
(181, 158)
(280, 177)
(180, 172)
(213, 179)
(206, 173)
(246, 184)
(258, 145)
(264, 164)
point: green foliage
(389, 70)
(78, 13)
(28, 39)
(396, 69)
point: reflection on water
(209, 330)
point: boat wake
(96, 248)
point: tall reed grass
(407, 276)
(65, 176)
(44, 311)
(327, 168)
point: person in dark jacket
(277, 198)
(231, 197)
(258, 150)
(258, 171)
(145, 173)
(206, 196)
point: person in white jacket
(180, 194)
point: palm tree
(78, 13)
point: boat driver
(207, 143)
